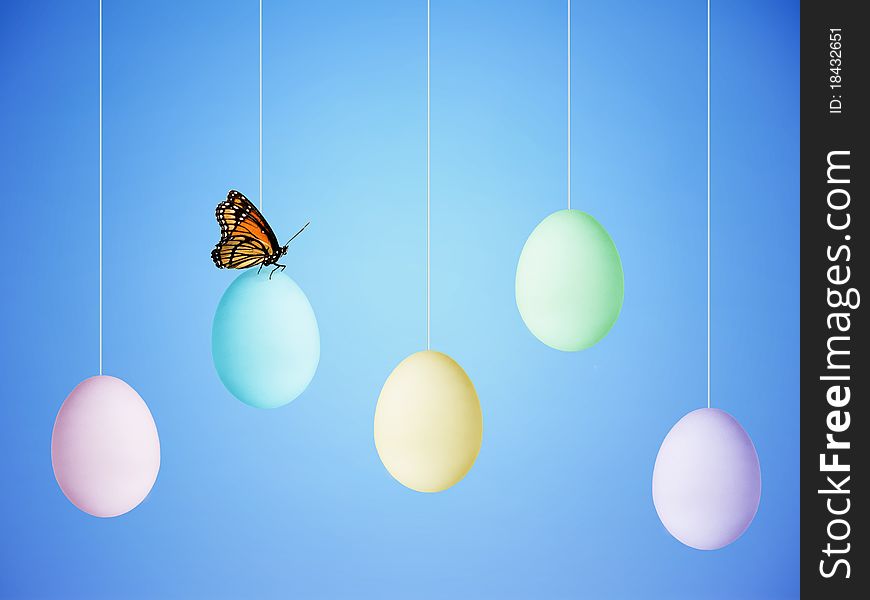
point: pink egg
(104, 447)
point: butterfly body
(247, 240)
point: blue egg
(264, 341)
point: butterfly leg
(277, 266)
(260, 269)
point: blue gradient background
(294, 502)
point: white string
(708, 204)
(569, 104)
(261, 107)
(428, 196)
(101, 188)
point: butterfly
(247, 239)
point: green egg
(569, 284)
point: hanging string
(428, 196)
(261, 107)
(101, 189)
(708, 204)
(569, 104)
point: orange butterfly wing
(246, 238)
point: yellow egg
(428, 425)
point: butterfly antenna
(297, 233)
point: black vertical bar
(834, 361)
